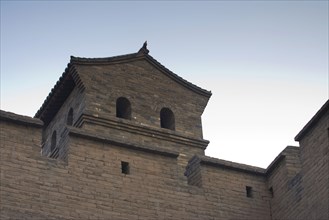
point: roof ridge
(80, 60)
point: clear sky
(266, 62)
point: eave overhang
(142, 54)
(59, 94)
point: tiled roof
(58, 95)
(70, 78)
(141, 54)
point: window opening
(249, 191)
(54, 151)
(271, 192)
(53, 141)
(124, 167)
(167, 119)
(70, 117)
(123, 108)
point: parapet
(20, 119)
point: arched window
(53, 141)
(69, 120)
(167, 119)
(123, 108)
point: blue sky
(266, 62)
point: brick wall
(285, 179)
(114, 168)
(76, 101)
(225, 185)
(315, 170)
(148, 90)
(91, 184)
(299, 176)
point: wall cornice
(20, 119)
(133, 127)
(78, 132)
